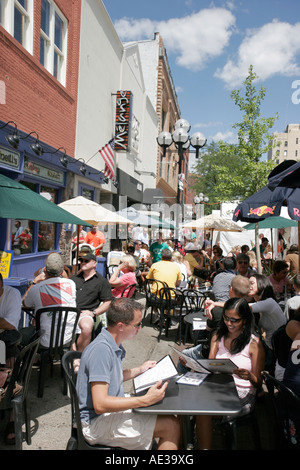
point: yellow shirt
(165, 271)
(192, 261)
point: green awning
(19, 202)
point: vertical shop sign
(123, 120)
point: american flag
(107, 153)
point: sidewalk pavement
(51, 415)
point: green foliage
(228, 172)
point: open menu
(208, 366)
(163, 370)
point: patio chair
(129, 291)
(152, 292)
(172, 308)
(286, 406)
(57, 346)
(77, 440)
(21, 373)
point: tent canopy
(145, 220)
(214, 222)
(20, 202)
(91, 212)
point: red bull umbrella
(265, 203)
(286, 174)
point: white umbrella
(92, 212)
(214, 222)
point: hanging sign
(123, 120)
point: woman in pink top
(118, 282)
(235, 340)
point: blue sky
(210, 46)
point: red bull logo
(262, 210)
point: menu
(208, 366)
(163, 370)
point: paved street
(50, 415)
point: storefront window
(29, 236)
(22, 236)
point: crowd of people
(242, 316)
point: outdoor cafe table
(215, 396)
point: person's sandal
(10, 431)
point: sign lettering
(123, 120)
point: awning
(20, 202)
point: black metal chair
(152, 292)
(194, 302)
(229, 430)
(21, 373)
(286, 406)
(57, 346)
(77, 440)
(172, 308)
(129, 291)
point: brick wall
(35, 100)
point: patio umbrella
(214, 222)
(286, 174)
(91, 212)
(272, 222)
(145, 220)
(135, 216)
(20, 202)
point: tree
(238, 171)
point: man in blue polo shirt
(106, 413)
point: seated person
(239, 288)
(194, 257)
(222, 281)
(243, 264)
(10, 314)
(93, 297)
(106, 412)
(49, 289)
(291, 378)
(279, 277)
(235, 339)
(123, 276)
(294, 302)
(165, 271)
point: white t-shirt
(11, 305)
(54, 291)
(271, 317)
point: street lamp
(182, 141)
(198, 201)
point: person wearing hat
(48, 289)
(93, 297)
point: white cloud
(271, 49)
(228, 137)
(195, 39)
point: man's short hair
(166, 254)
(243, 257)
(240, 286)
(229, 263)
(122, 310)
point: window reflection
(22, 236)
(46, 236)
